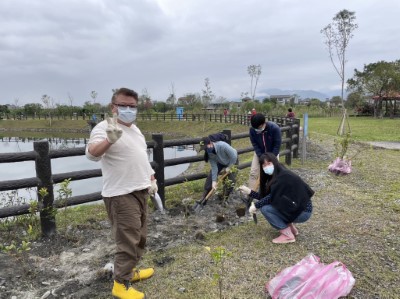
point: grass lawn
(355, 220)
(362, 128)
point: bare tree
(16, 101)
(254, 71)
(208, 95)
(220, 100)
(93, 94)
(172, 95)
(145, 100)
(70, 99)
(48, 103)
(337, 38)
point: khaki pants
(127, 214)
(254, 173)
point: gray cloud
(64, 46)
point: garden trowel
(156, 199)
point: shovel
(248, 202)
(156, 199)
(199, 204)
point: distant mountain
(303, 94)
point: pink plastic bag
(340, 166)
(311, 279)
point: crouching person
(284, 198)
(222, 157)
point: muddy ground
(71, 266)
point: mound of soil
(72, 265)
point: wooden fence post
(297, 141)
(43, 173)
(288, 157)
(158, 158)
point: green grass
(362, 128)
(44, 124)
(355, 220)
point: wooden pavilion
(386, 106)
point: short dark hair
(290, 110)
(206, 140)
(257, 120)
(126, 92)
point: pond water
(20, 170)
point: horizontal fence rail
(159, 116)
(42, 156)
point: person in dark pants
(222, 157)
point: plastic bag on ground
(340, 166)
(310, 278)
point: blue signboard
(179, 112)
(305, 126)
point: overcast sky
(67, 48)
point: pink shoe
(285, 237)
(293, 229)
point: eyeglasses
(125, 105)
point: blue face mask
(127, 114)
(210, 150)
(269, 169)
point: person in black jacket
(284, 198)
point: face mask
(269, 169)
(210, 150)
(127, 115)
(258, 131)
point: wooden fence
(167, 116)
(42, 156)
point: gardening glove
(252, 209)
(153, 188)
(214, 185)
(245, 190)
(113, 131)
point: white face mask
(269, 169)
(127, 114)
(259, 131)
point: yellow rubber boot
(125, 291)
(142, 274)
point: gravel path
(386, 144)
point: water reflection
(16, 143)
(26, 169)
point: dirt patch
(72, 265)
